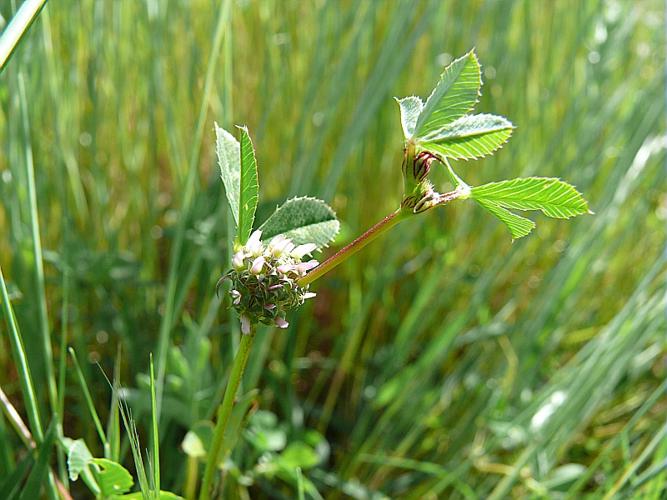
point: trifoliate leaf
(249, 187)
(454, 96)
(303, 220)
(229, 161)
(410, 108)
(553, 197)
(469, 137)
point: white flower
(254, 243)
(309, 295)
(281, 323)
(278, 245)
(257, 265)
(236, 295)
(285, 268)
(302, 250)
(237, 260)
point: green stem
(350, 249)
(225, 411)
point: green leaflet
(249, 187)
(469, 137)
(238, 170)
(518, 226)
(455, 95)
(410, 108)
(553, 197)
(303, 220)
(229, 161)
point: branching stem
(350, 249)
(373, 233)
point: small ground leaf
(113, 478)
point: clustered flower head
(265, 279)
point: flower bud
(421, 165)
(254, 245)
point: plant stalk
(17, 28)
(225, 411)
(350, 249)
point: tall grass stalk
(17, 27)
(186, 201)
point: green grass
(443, 360)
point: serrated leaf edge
(312, 198)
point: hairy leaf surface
(410, 108)
(303, 220)
(469, 137)
(229, 161)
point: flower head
(265, 279)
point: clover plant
(271, 270)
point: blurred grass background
(443, 361)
